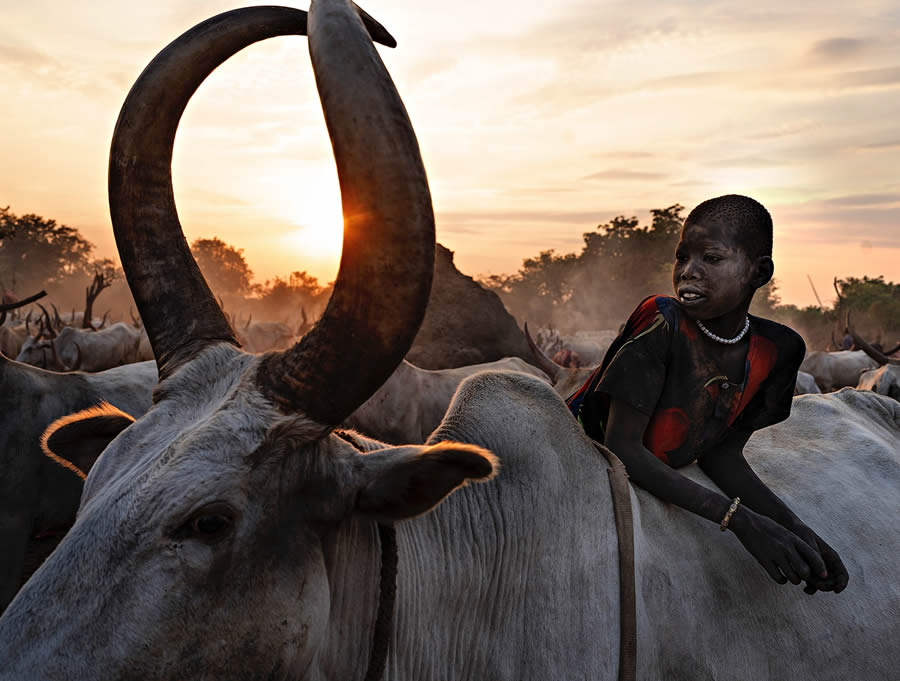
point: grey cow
(229, 533)
(411, 403)
(85, 349)
(36, 494)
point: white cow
(884, 380)
(508, 578)
(833, 370)
(412, 402)
(806, 384)
(266, 336)
(84, 349)
(12, 335)
(230, 534)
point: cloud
(20, 56)
(843, 220)
(837, 48)
(745, 162)
(863, 200)
(787, 129)
(889, 144)
(626, 155)
(690, 183)
(462, 218)
(889, 76)
(622, 174)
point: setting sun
(316, 211)
(318, 237)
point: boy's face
(713, 275)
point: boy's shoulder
(653, 305)
(789, 342)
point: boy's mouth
(688, 296)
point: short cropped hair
(748, 220)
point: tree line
(39, 253)
(621, 262)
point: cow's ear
(403, 482)
(76, 440)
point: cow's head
(199, 548)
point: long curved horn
(57, 320)
(179, 311)
(879, 357)
(387, 263)
(6, 307)
(59, 363)
(545, 364)
(48, 330)
(892, 351)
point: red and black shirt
(662, 366)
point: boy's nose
(689, 271)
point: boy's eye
(709, 257)
(680, 257)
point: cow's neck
(480, 575)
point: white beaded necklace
(727, 341)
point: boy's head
(723, 256)
(744, 220)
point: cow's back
(542, 536)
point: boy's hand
(783, 554)
(837, 577)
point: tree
(224, 267)
(871, 299)
(621, 263)
(36, 252)
(300, 297)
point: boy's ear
(76, 440)
(765, 268)
(403, 482)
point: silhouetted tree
(297, 298)
(224, 267)
(36, 252)
(621, 263)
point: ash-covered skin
(720, 261)
(714, 277)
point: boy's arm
(728, 468)
(783, 554)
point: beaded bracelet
(731, 509)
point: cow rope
(387, 589)
(621, 497)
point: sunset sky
(537, 121)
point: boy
(691, 377)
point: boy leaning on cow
(690, 378)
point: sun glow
(320, 223)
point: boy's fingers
(788, 571)
(836, 568)
(774, 572)
(799, 565)
(812, 558)
(809, 589)
(841, 582)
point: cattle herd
(218, 497)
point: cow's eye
(209, 523)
